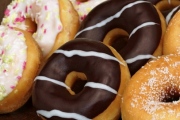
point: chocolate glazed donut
(139, 19)
(54, 98)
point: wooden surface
(27, 112)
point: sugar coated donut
(145, 27)
(171, 44)
(52, 22)
(105, 74)
(153, 93)
(20, 59)
(83, 7)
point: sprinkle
(45, 30)
(45, 7)
(59, 27)
(15, 5)
(2, 34)
(7, 12)
(42, 25)
(19, 19)
(18, 77)
(24, 65)
(26, 9)
(12, 87)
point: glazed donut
(50, 21)
(167, 7)
(83, 7)
(20, 59)
(144, 26)
(171, 44)
(153, 92)
(105, 74)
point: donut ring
(122, 17)
(83, 7)
(47, 20)
(102, 90)
(20, 59)
(153, 92)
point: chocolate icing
(142, 42)
(89, 102)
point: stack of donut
(117, 59)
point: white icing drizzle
(49, 114)
(88, 84)
(141, 26)
(100, 86)
(139, 57)
(87, 53)
(117, 15)
(43, 78)
(168, 17)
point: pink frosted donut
(19, 64)
(48, 20)
(84, 7)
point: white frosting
(49, 114)
(88, 84)
(107, 20)
(83, 8)
(88, 53)
(139, 57)
(45, 13)
(13, 55)
(43, 78)
(141, 26)
(168, 17)
(100, 86)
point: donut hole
(117, 38)
(31, 25)
(75, 81)
(171, 94)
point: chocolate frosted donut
(139, 19)
(103, 71)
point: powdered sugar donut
(83, 7)
(20, 59)
(50, 18)
(153, 92)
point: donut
(171, 44)
(144, 29)
(105, 75)
(153, 92)
(83, 7)
(52, 23)
(167, 7)
(20, 58)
